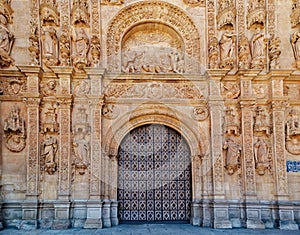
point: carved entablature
(226, 14)
(80, 15)
(13, 87)
(232, 121)
(293, 132)
(112, 2)
(49, 14)
(262, 126)
(195, 3)
(6, 36)
(230, 90)
(153, 90)
(14, 131)
(256, 13)
(295, 16)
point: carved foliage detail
(14, 131)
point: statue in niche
(258, 47)
(293, 132)
(244, 53)
(231, 121)
(295, 40)
(49, 47)
(49, 150)
(14, 130)
(227, 50)
(82, 150)
(81, 46)
(233, 152)
(6, 43)
(213, 53)
(274, 52)
(261, 152)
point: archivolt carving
(147, 11)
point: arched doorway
(154, 175)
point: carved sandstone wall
(77, 76)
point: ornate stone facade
(205, 93)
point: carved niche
(262, 156)
(258, 45)
(152, 48)
(49, 13)
(14, 131)
(233, 155)
(293, 132)
(49, 149)
(226, 13)
(232, 121)
(262, 121)
(81, 140)
(227, 49)
(256, 13)
(6, 36)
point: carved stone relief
(262, 156)
(227, 50)
(258, 49)
(200, 113)
(49, 118)
(274, 52)
(295, 19)
(49, 154)
(244, 53)
(293, 132)
(233, 154)
(226, 13)
(14, 131)
(110, 111)
(49, 46)
(232, 121)
(256, 13)
(230, 90)
(194, 2)
(112, 2)
(295, 41)
(81, 46)
(49, 13)
(6, 36)
(13, 87)
(34, 37)
(48, 88)
(82, 89)
(262, 122)
(213, 53)
(152, 48)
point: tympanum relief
(14, 131)
(152, 48)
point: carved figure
(213, 53)
(295, 40)
(6, 42)
(244, 53)
(177, 62)
(233, 152)
(14, 130)
(258, 50)
(274, 52)
(50, 47)
(110, 111)
(81, 42)
(227, 45)
(81, 148)
(261, 150)
(49, 150)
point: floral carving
(14, 131)
(6, 36)
(244, 53)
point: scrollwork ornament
(200, 113)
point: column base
(93, 223)
(255, 224)
(288, 225)
(61, 224)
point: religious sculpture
(232, 121)
(227, 50)
(14, 131)
(80, 46)
(295, 41)
(261, 152)
(49, 150)
(6, 43)
(49, 47)
(262, 122)
(244, 53)
(82, 150)
(213, 53)
(233, 152)
(258, 47)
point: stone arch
(155, 114)
(148, 11)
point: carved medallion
(110, 111)
(200, 113)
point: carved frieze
(14, 131)
(6, 36)
(293, 132)
(154, 90)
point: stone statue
(261, 151)
(6, 42)
(227, 48)
(244, 53)
(50, 47)
(81, 148)
(232, 153)
(81, 46)
(258, 50)
(295, 40)
(49, 150)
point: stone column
(32, 100)
(62, 206)
(247, 103)
(216, 104)
(95, 203)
